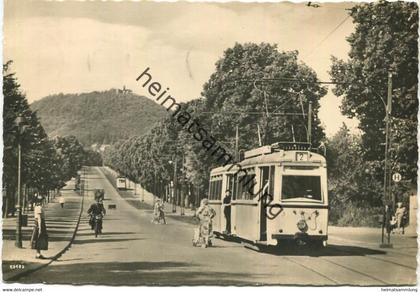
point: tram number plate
(302, 156)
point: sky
(74, 47)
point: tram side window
(246, 187)
(239, 188)
(218, 190)
(215, 189)
(295, 186)
(234, 186)
(210, 190)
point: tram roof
(271, 158)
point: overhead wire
(328, 35)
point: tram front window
(295, 186)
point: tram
(121, 183)
(278, 193)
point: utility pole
(18, 242)
(175, 187)
(309, 133)
(391, 194)
(183, 188)
(21, 128)
(237, 143)
(387, 196)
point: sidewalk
(61, 227)
(371, 238)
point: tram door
(266, 195)
(265, 174)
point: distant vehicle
(297, 205)
(121, 183)
(99, 194)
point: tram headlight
(302, 226)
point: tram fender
(301, 235)
(298, 235)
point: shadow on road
(53, 235)
(119, 233)
(104, 240)
(330, 250)
(140, 273)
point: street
(134, 251)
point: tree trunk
(5, 207)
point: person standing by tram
(400, 213)
(227, 210)
(205, 231)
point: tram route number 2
(301, 156)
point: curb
(53, 258)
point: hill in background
(98, 117)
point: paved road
(133, 251)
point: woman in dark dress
(39, 238)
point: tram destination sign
(302, 156)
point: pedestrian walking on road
(39, 238)
(159, 212)
(204, 233)
(400, 213)
(61, 200)
(226, 210)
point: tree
(232, 94)
(71, 153)
(384, 41)
(353, 182)
(40, 163)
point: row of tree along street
(46, 163)
(264, 92)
